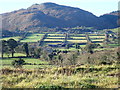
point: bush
(18, 63)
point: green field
(116, 30)
(97, 37)
(15, 54)
(114, 45)
(53, 40)
(52, 75)
(32, 38)
(56, 37)
(28, 60)
(8, 63)
(15, 38)
(77, 41)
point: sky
(97, 7)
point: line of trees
(9, 46)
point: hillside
(112, 18)
(53, 15)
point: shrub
(18, 63)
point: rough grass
(70, 49)
(86, 76)
(101, 49)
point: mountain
(115, 13)
(53, 15)
(112, 18)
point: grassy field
(56, 37)
(78, 37)
(55, 77)
(28, 60)
(32, 38)
(15, 38)
(15, 54)
(100, 49)
(94, 76)
(70, 49)
(8, 63)
(116, 30)
(97, 37)
(53, 40)
(77, 41)
(114, 45)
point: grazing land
(32, 38)
(51, 65)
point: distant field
(78, 37)
(99, 49)
(28, 60)
(15, 54)
(53, 40)
(97, 37)
(96, 34)
(55, 34)
(114, 45)
(77, 41)
(115, 30)
(70, 49)
(15, 38)
(7, 62)
(55, 37)
(53, 43)
(32, 38)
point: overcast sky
(97, 7)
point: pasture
(44, 75)
(15, 38)
(35, 63)
(32, 38)
(55, 39)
